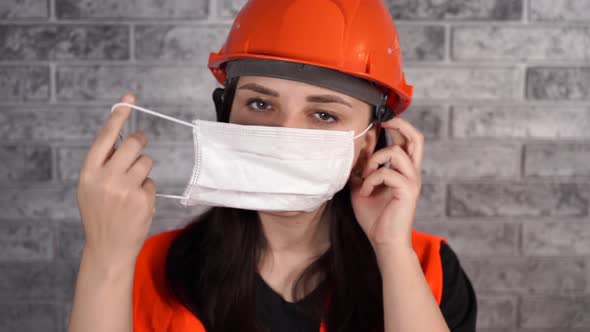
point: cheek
(358, 146)
(239, 114)
(234, 116)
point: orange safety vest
(155, 312)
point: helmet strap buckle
(384, 113)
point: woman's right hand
(115, 196)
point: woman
(351, 263)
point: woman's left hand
(385, 199)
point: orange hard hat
(355, 37)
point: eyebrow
(260, 89)
(313, 99)
(328, 99)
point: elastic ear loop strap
(364, 131)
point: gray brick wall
(502, 95)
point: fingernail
(128, 98)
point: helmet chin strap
(384, 113)
(218, 100)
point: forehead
(292, 88)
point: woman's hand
(385, 199)
(115, 195)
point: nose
(291, 122)
(290, 119)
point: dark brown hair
(211, 264)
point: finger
(412, 141)
(104, 143)
(113, 149)
(397, 138)
(398, 159)
(149, 186)
(140, 169)
(128, 152)
(383, 176)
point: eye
(258, 104)
(325, 117)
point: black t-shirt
(458, 303)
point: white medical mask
(264, 168)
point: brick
(520, 122)
(70, 241)
(544, 83)
(468, 159)
(559, 10)
(162, 131)
(496, 311)
(455, 9)
(66, 279)
(28, 280)
(58, 124)
(431, 121)
(555, 311)
(33, 202)
(40, 281)
(548, 159)
(520, 43)
(468, 83)
(422, 42)
(150, 84)
(28, 317)
(527, 275)
(21, 9)
(25, 163)
(518, 199)
(64, 319)
(23, 241)
(70, 162)
(177, 9)
(172, 42)
(230, 8)
(24, 83)
(556, 237)
(65, 42)
(475, 238)
(431, 201)
(172, 164)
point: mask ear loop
(160, 115)
(364, 131)
(145, 110)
